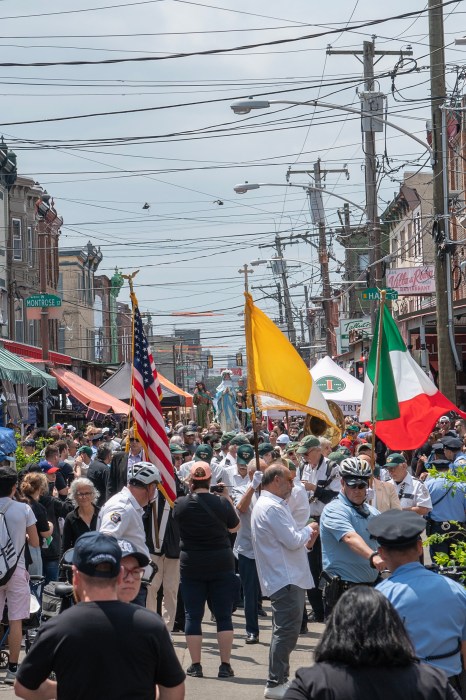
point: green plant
(23, 459)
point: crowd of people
(276, 514)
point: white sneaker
(277, 691)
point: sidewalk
(249, 662)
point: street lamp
(244, 187)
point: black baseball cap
(97, 555)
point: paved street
(248, 661)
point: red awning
(167, 384)
(92, 396)
(31, 352)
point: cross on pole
(245, 270)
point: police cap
(396, 529)
(438, 447)
(452, 443)
(440, 464)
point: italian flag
(408, 402)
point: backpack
(8, 556)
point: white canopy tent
(335, 383)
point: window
(19, 321)
(363, 262)
(32, 337)
(17, 239)
(403, 244)
(31, 251)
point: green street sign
(373, 294)
(43, 301)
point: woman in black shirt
(365, 654)
(207, 565)
(33, 485)
(83, 518)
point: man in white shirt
(413, 494)
(280, 551)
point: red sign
(237, 371)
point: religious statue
(225, 402)
(203, 401)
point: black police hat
(438, 447)
(440, 464)
(396, 529)
(452, 443)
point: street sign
(373, 294)
(43, 301)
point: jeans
(287, 613)
(50, 570)
(221, 590)
(251, 591)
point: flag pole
(130, 279)
(375, 392)
(251, 375)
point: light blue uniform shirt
(459, 461)
(338, 518)
(449, 506)
(433, 610)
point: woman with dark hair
(207, 565)
(365, 654)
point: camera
(217, 488)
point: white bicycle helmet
(355, 468)
(145, 473)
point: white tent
(336, 384)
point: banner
(411, 280)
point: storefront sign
(412, 280)
(351, 324)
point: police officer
(412, 493)
(448, 514)
(432, 607)
(321, 480)
(348, 554)
(453, 447)
(122, 515)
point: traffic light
(239, 359)
(210, 361)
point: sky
(106, 138)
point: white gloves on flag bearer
(256, 480)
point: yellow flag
(277, 375)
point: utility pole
(371, 102)
(446, 363)
(286, 292)
(280, 303)
(318, 213)
(308, 320)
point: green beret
(308, 443)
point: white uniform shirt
(121, 517)
(243, 540)
(412, 492)
(279, 547)
(228, 461)
(312, 476)
(298, 504)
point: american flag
(147, 411)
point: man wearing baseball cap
(108, 629)
(413, 494)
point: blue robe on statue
(225, 404)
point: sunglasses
(359, 487)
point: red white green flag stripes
(408, 402)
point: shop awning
(11, 371)
(39, 378)
(91, 396)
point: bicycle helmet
(355, 468)
(145, 473)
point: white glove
(256, 480)
(370, 494)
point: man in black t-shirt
(128, 651)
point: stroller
(29, 626)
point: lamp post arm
(308, 188)
(353, 110)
